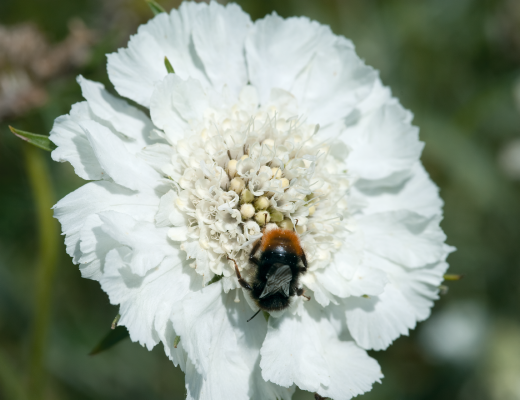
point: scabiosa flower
(275, 123)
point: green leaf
(156, 8)
(216, 278)
(111, 339)
(168, 66)
(41, 141)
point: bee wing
(279, 280)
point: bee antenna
(256, 313)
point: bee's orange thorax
(281, 238)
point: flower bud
(244, 157)
(247, 211)
(312, 210)
(262, 218)
(237, 185)
(285, 182)
(232, 168)
(246, 196)
(286, 224)
(276, 216)
(277, 172)
(261, 203)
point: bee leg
(300, 292)
(242, 281)
(318, 397)
(253, 251)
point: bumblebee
(280, 263)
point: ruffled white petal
(122, 166)
(135, 70)
(306, 350)
(417, 193)
(352, 371)
(129, 121)
(157, 156)
(149, 244)
(278, 49)
(73, 144)
(94, 245)
(212, 346)
(145, 301)
(383, 143)
(376, 321)
(365, 281)
(293, 353)
(334, 83)
(405, 237)
(201, 41)
(92, 198)
(175, 104)
(224, 348)
(219, 33)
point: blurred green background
(455, 64)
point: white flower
(265, 123)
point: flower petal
(293, 353)
(306, 350)
(334, 83)
(73, 144)
(366, 281)
(278, 49)
(417, 193)
(135, 70)
(219, 33)
(142, 298)
(94, 246)
(376, 321)
(121, 165)
(148, 243)
(405, 237)
(175, 103)
(73, 210)
(212, 54)
(117, 114)
(352, 371)
(215, 321)
(383, 143)
(212, 346)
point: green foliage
(168, 66)
(41, 141)
(155, 7)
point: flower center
(247, 168)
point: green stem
(10, 380)
(48, 234)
